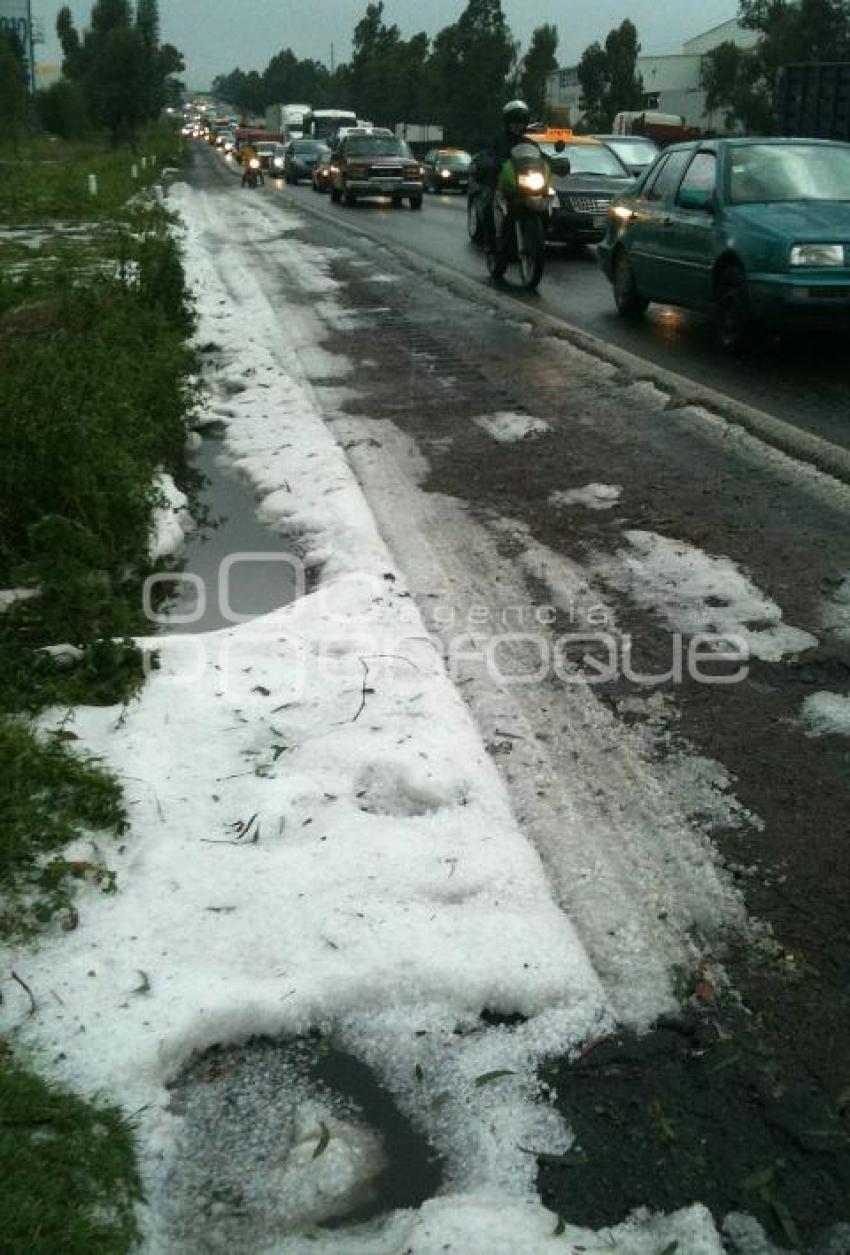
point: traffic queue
(754, 231)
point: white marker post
(92, 182)
(134, 171)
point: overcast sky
(217, 35)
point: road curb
(683, 393)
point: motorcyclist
(516, 119)
(247, 154)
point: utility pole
(333, 58)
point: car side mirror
(561, 167)
(698, 199)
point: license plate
(387, 185)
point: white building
(672, 82)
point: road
(634, 792)
(800, 378)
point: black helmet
(516, 111)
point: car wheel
(336, 195)
(473, 221)
(397, 202)
(348, 197)
(627, 298)
(416, 201)
(733, 315)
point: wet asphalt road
(775, 1064)
(802, 378)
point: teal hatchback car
(756, 231)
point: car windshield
(589, 159)
(769, 173)
(375, 146)
(456, 160)
(636, 151)
(311, 146)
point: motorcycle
(252, 175)
(522, 207)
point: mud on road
(742, 1100)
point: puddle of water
(284, 1137)
(244, 569)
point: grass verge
(68, 1172)
(48, 182)
(96, 390)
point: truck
(419, 135)
(664, 128)
(813, 100)
(288, 120)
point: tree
(61, 109)
(118, 82)
(123, 71)
(474, 62)
(288, 80)
(741, 82)
(246, 92)
(14, 98)
(625, 86)
(608, 76)
(169, 63)
(593, 77)
(733, 81)
(69, 40)
(107, 15)
(147, 24)
(375, 46)
(537, 64)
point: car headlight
(445, 174)
(817, 255)
(533, 181)
(619, 216)
(278, 161)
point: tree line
(741, 82)
(116, 74)
(459, 79)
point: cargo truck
(813, 100)
(288, 120)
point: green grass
(49, 180)
(49, 797)
(68, 1178)
(96, 391)
(96, 394)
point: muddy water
(288, 1136)
(233, 567)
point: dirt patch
(699, 1110)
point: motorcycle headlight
(254, 163)
(278, 161)
(532, 181)
(817, 255)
